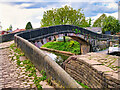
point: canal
(57, 57)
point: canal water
(58, 58)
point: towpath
(12, 76)
(103, 51)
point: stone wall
(7, 37)
(44, 62)
(94, 70)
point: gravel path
(12, 76)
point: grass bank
(72, 46)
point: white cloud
(59, 1)
(23, 5)
(18, 17)
(112, 5)
(113, 14)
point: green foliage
(99, 21)
(12, 46)
(30, 68)
(10, 27)
(28, 26)
(7, 29)
(43, 72)
(83, 85)
(107, 24)
(63, 16)
(18, 62)
(72, 46)
(76, 31)
(71, 43)
(90, 20)
(111, 24)
(49, 81)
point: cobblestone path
(3, 59)
(12, 76)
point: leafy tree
(28, 26)
(7, 29)
(90, 20)
(107, 23)
(99, 21)
(62, 16)
(10, 27)
(111, 24)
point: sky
(18, 12)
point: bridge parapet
(42, 61)
(52, 29)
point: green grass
(83, 85)
(72, 46)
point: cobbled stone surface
(12, 76)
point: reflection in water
(58, 58)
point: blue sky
(92, 8)
(19, 13)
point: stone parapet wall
(94, 70)
(8, 37)
(44, 62)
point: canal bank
(59, 58)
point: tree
(63, 16)
(10, 27)
(28, 26)
(111, 24)
(99, 21)
(90, 20)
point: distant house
(3, 32)
(18, 30)
(95, 29)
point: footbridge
(89, 41)
(25, 40)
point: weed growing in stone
(83, 85)
(29, 67)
